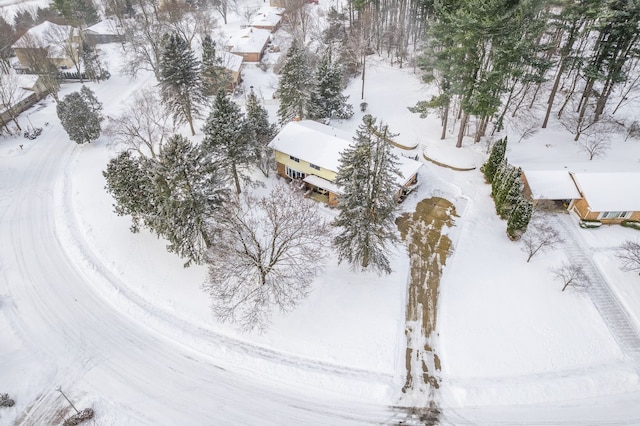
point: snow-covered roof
(230, 61)
(43, 34)
(26, 81)
(107, 27)
(251, 40)
(322, 183)
(610, 191)
(267, 17)
(551, 185)
(322, 145)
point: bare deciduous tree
(595, 144)
(9, 96)
(571, 275)
(629, 254)
(266, 253)
(540, 236)
(144, 124)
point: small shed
(106, 31)
(233, 64)
(609, 197)
(250, 44)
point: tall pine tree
(366, 220)
(214, 75)
(496, 158)
(180, 83)
(294, 86)
(189, 191)
(327, 100)
(263, 131)
(229, 139)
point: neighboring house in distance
(608, 197)
(107, 31)
(18, 92)
(268, 18)
(48, 40)
(233, 64)
(250, 44)
(311, 151)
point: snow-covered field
(121, 326)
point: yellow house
(56, 43)
(311, 151)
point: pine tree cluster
(305, 95)
(506, 190)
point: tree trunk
(236, 179)
(463, 125)
(552, 95)
(445, 121)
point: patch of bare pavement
(428, 249)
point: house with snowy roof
(591, 194)
(267, 18)
(310, 151)
(18, 92)
(57, 43)
(250, 44)
(105, 31)
(233, 64)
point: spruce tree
(326, 99)
(495, 159)
(229, 139)
(367, 205)
(180, 83)
(79, 114)
(93, 67)
(263, 131)
(509, 189)
(129, 183)
(213, 73)
(294, 85)
(188, 191)
(519, 218)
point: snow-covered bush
(76, 419)
(5, 401)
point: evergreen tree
(495, 159)
(174, 195)
(79, 114)
(214, 75)
(82, 12)
(130, 184)
(180, 83)
(229, 139)
(263, 131)
(93, 67)
(509, 190)
(367, 177)
(327, 100)
(188, 191)
(294, 86)
(519, 218)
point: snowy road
(66, 334)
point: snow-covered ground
(120, 325)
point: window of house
(313, 166)
(614, 215)
(297, 160)
(294, 174)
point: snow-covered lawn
(507, 335)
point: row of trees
(506, 190)
(490, 59)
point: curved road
(100, 355)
